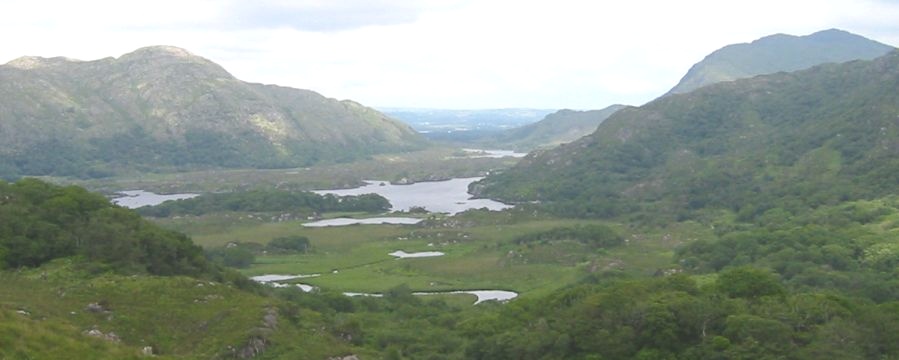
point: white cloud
(458, 54)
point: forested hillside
(42, 222)
(785, 141)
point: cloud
(438, 53)
(320, 15)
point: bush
(238, 257)
(293, 243)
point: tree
(748, 282)
(293, 243)
(237, 257)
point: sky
(451, 54)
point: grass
(354, 258)
(179, 317)
(24, 337)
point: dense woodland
(42, 222)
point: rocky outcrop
(257, 343)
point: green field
(176, 316)
(477, 256)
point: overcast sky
(444, 54)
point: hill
(560, 127)
(788, 140)
(163, 107)
(776, 53)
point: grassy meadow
(478, 256)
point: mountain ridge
(790, 139)
(171, 104)
(557, 128)
(776, 53)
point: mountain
(448, 120)
(161, 107)
(776, 53)
(786, 140)
(560, 127)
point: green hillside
(82, 278)
(560, 127)
(790, 141)
(163, 108)
(776, 53)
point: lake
(482, 295)
(449, 196)
(134, 199)
(400, 254)
(368, 221)
(496, 154)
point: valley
(478, 243)
(752, 214)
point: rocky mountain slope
(778, 53)
(161, 107)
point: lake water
(275, 277)
(134, 199)
(449, 196)
(369, 221)
(400, 254)
(482, 295)
(480, 153)
(274, 280)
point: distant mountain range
(518, 129)
(449, 120)
(777, 53)
(163, 107)
(789, 140)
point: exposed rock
(348, 357)
(95, 332)
(270, 320)
(111, 336)
(255, 346)
(147, 351)
(95, 308)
